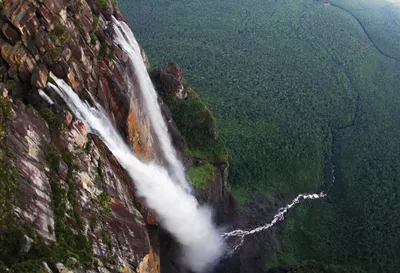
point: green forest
(298, 88)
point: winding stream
(365, 31)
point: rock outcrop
(66, 205)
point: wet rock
(45, 35)
(10, 33)
(47, 19)
(66, 54)
(168, 84)
(47, 268)
(39, 76)
(53, 6)
(24, 73)
(174, 69)
(22, 14)
(30, 45)
(60, 69)
(151, 218)
(26, 244)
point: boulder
(39, 76)
(10, 33)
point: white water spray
(126, 40)
(178, 211)
(278, 217)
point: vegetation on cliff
(64, 200)
(298, 89)
(197, 125)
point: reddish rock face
(151, 218)
(10, 33)
(69, 182)
(39, 76)
(39, 37)
(168, 82)
(174, 69)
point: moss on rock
(201, 176)
(198, 126)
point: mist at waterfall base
(178, 211)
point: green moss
(5, 107)
(88, 147)
(54, 157)
(54, 53)
(69, 159)
(8, 184)
(70, 242)
(52, 120)
(79, 6)
(103, 50)
(100, 170)
(68, 230)
(93, 38)
(106, 238)
(102, 3)
(10, 84)
(58, 35)
(96, 22)
(30, 266)
(104, 200)
(200, 176)
(198, 126)
(93, 222)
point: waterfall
(126, 40)
(279, 216)
(178, 211)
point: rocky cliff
(66, 205)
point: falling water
(126, 40)
(333, 175)
(178, 211)
(241, 234)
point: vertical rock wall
(65, 203)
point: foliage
(96, 22)
(197, 125)
(102, 3)
(317, 267)
(103, 50)
(296, 88)
(5, 107)
(54, 157)
(100, 170)
(104, 199)
(8, 184)
(201, 175)
(58, 35)
(52, 120)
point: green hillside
(297, 87)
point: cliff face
(65, 203)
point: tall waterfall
(126, 40)
(178, 210)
